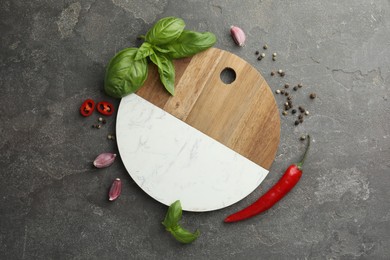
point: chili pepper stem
(300, 164)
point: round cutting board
(209, 145)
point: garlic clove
(238, 35)
(104, 160)
(115, 190)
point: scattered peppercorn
(93, 126)
(274, 54)
(104, 121)
(282, 74)
(259, 58)
(272, 73)
(277, 91)
(303, 137)
(285, 113)
(286, 93)
(262, 55)
(289, 97)
(299, 85)
(293, 111)
(282, 91)
(295, 88)
(286, 85)
(301, 120)
(301, 109)
(274, 58)
(300, 116)
(98, 126)
(280, 71)
(265, 46)
(313, 95)
(100, 119)
(296, 122)
(257, 53)
(306, 112)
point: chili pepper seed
(100, 119)
(313, 95)
(280, 71)
(306, 112)
(109, 137)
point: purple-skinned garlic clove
(104, 160)
(238, 35)
(115, 190)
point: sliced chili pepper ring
(105, 108)
(87, 107)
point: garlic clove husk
(238, 35)
(104, 160)
(115, 190)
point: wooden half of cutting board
(242, 115)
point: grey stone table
(53, 203)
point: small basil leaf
(166, 70)
(160, 49)
(189, 43)
(173, 215)
(184, 236)
(125, 75)
(165, 30)
(144, 51)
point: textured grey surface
(53, 204)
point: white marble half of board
(170, 160)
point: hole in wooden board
(228, 75)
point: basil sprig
(165, 41)
(171, 224)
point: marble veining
(171, 160)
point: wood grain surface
(242, 115)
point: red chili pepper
(87, 107)
(289, 179)
(105, 108)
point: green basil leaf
(165, 30)
(166, 70)
(189, 43)
(125, 75)
(184, 236)
(144, 51)
(155, 47)
(173, 215)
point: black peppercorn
(286, 94)
(259, 58)
(265, 46)
(272, 73)
(286, 85)
(257, 52)
(293, 111)
(299, 85)
(300, 117)
(289, 97)
(282, 91)
(282, 74)
(301, 120)
(296, 122)
(313, 95)
(295, 88)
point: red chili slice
(105, 108)
(87, 107)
